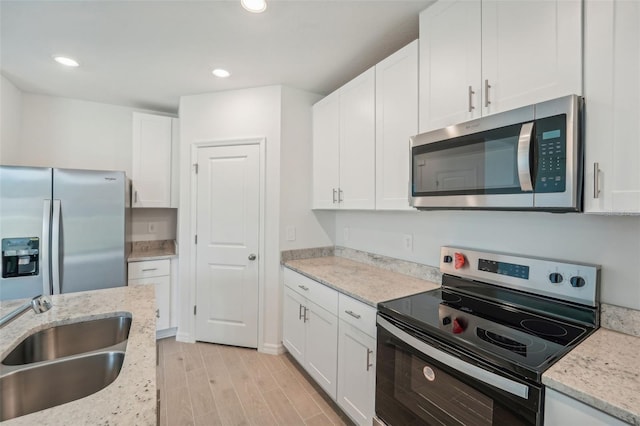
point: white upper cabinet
(450, 62)
(612, 98)
(396, 121)
(152, 149)
(344, 146)
(326, 151)
(479, 57)
(531, 52)
(357, 142)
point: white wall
(312, 229)
(70, 133)
(10, 118)
(610, 241)
(165, 222)
(236, 114)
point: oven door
(425, 383)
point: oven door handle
(524, 148)
(500, 382)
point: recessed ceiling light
(255, 6)
(219, 72)
(66, 61)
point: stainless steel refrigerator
(62, 231)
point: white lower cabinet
(310, 327)
(333, 337)
(560, 409)
(158, 273)
(356, 373)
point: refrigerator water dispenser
(20, 257)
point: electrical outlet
(407, 242)
(151, 227)
(291, 233)
(345, 234)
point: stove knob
(459, 260)
(458, 326)
(447, 259)
(555, 278)
(577, 282)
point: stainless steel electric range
(473, 351)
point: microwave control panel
(551, 139)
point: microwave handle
(524, 148)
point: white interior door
(228, 218)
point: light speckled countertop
(131, 398)
(604, 372)
(366, 283)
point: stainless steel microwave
(529, 158)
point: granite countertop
(604, 372)
(131, 398)
(152, 250)
(367, 283)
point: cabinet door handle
(299, 311)
(149, 269)
(369, 363)
(340, 199)
(158, 406)
(353, 314)
(135, 197)
(487, 86)
(303, 287)
(471, 93)
(596, 180)
(157, 313)
(305, 314)
(334, 195)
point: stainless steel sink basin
(70, 339)
(38, 387)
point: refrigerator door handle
(45, 261)
(55, 247)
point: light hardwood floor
(207, 384)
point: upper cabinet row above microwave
(479, 57)
(155, 161)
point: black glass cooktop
(521, 341)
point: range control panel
(574, 282)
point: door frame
(193, 226)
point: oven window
(413, 389)
(485, 163)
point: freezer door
(25, 213)
(88, 241)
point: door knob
(252, 256)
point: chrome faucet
(39, 304)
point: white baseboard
(169, 332)
(272, 349)
(185, 337)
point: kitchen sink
(57, 382)
(70, 339)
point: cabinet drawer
(319, 294)
(149, 268)
(358, 314)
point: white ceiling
(146, 54)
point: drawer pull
(149, 269)
(353, 314)
(304, 287)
